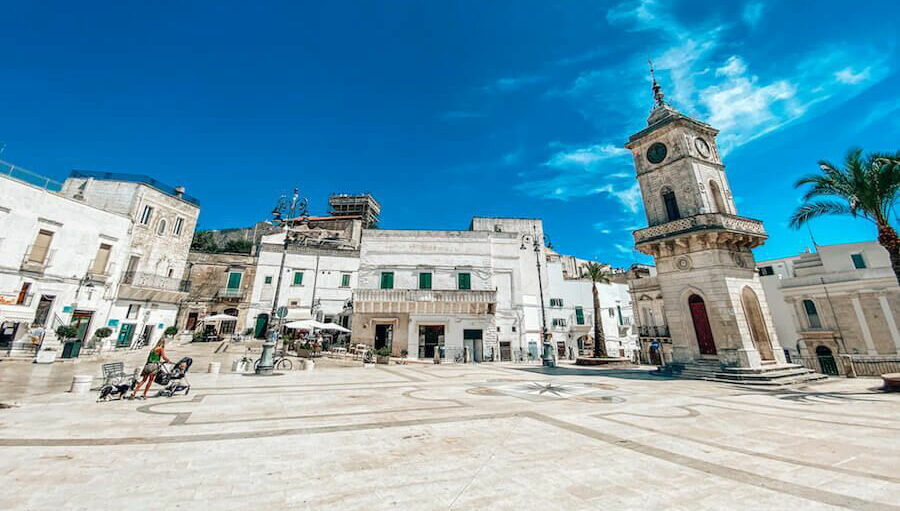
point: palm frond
(811, 210)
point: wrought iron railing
(701, 221)
(653, 331)
(424, 295)
(226, 292)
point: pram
(174, 378)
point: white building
(320, 270)
(842, 300)
(162, 220)
(60, 261)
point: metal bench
(114, 372)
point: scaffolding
(362, 205)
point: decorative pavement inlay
(540, 391)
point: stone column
(889, 317)
(863, 325)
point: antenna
(813, 238)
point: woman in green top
(151, 367)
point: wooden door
(701, 326)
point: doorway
(262, 324)
(126, 333)
(701, 325)
(431, 339)
(147, 335)
(505, 351)
(755, 321)
(472, 339)
(191, 323)
(826, 361)
(384, 335)
(42, 313)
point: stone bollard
(81, 383)
(214, 367)
(308, 365)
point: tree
(204, 241)
(865, 187)
(66, 332)
(597, 274)
(238, 246)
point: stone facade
(842, 300)
(220, 284)
(713, 303)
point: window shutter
(234, 280)
(100, 262)
(41, 246)
(387, 280)
(298, 278)
(579, 315)
(465, 281)
(425, 280)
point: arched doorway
(718, 202)
(758, 332)
(701, 325)
(228, 327)
(262, 324)
(826, 361)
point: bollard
(81, 383)
(308, 365)
(214, 367)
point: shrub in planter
(66, 332)
(102, 333)
(172, 330)
(383, 355)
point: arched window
(717, 201)
(812, 314)
(161, 227)
(671, 204)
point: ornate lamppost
(286, 212)
(535, 242)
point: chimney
(179, 191)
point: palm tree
(597, 274)
(866, 186)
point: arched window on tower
(671, 204)
(717, 201)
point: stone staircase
(767, 375)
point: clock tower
(713, 302)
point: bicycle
(281, 362)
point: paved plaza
(489, 436)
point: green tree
(204, 241)
(238, 246)
(597, 274)
(865, 187)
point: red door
(701, 325)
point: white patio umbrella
(220, 317)
(334, 327)
(311, 324)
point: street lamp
(535, 242)
(286, 212)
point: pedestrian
(151, 367)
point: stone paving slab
(452, 437)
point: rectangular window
(101, 260)
(579, 315)
(766, 270)
(812, 315)
(179, 226)
(345, 280)
(298, 278)
(234, 280)
(387, 280)
(464, 281)
(41, 247)
(556, 302)
(425, 280)
(268, 279)
(559, 322)
(612, 312)
(133, 310)
(146, 215)
(858, 261)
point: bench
(114, 372)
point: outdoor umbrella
(334, 327)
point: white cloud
(851, 77)
(753, 12)
(586, 157)
(460, 114)
(629, 197)
(512, 157)
(623, 248)
(511, 84)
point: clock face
(702, 147)
(657, 152)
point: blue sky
(446, 110)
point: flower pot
(379, 359)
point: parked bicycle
(281, 362)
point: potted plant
(171, 331)
(101, 334)
(383, 355)
(304, 349)
(67, 334)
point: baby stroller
(174, 378)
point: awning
(311, 324)
(16, 314)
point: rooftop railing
(135, 178)
(29, 177)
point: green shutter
(425, 280)
(234, 280)
(345, 280)
(579, 315)
(298, 278)
(465, 281)
(387, 280)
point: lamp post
(286, 211)
(536, 242)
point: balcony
(712, 228)
(227, 293)
(32, 265)
(151, 287)
(653, 331)
(100, 275)
(424, 301)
